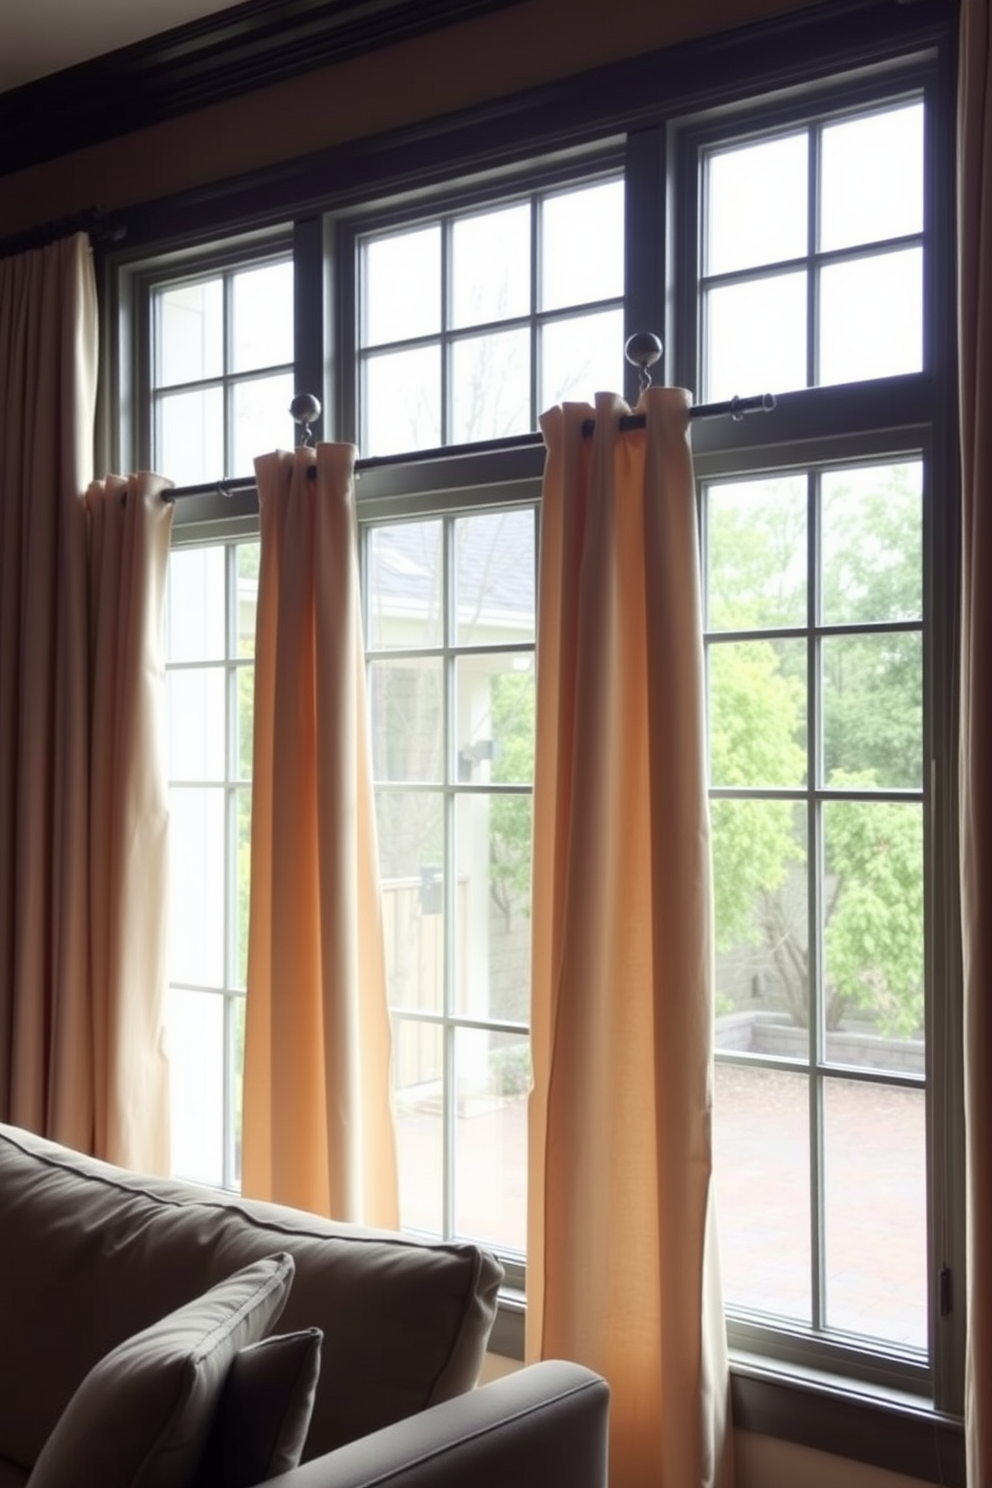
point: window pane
(401, 286)
(249, 555)
(492, 906)
(873, 709)
(582, 246)
(872, 543)
(876, 1250)
(189, 332)
(492, 1077)
(406, 706)
(756, 336)
(756, 209)
(494, 578)
(761, 1164)
(244, 719)
(872, 178)
(411, 870)
(756, 553)
(490, 380)
(874, 918)
(871, 317)
(757, 713)
(195, 597)
(494, 711)
(762, 926)
(418, 1085)
(582, 357)
(243, 896)
(402, 402)
(262, 420)
(196, 885)
(490, 272)
(405, 585)
(189, 436)
(197, 714)
(195, 1024)
(262, 333)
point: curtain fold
(622, 1262)
(130, 529)
(318, 1128)
(70, 1027)
(975, 353)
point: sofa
(158, 1334)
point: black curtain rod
(100, 225)
(735, 408)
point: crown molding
(207, 61)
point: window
(784, 234)
(472, 322)
(210, 638)
(450, 634)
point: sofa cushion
(142, 1415)
(90, 1254)
(260, 1425)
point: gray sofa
(91, 1255)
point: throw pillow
(260, 1426)
(141, 1417)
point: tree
(873, 914)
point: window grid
(448, 1018)
(218, 1126)
(451, 334)
(813, 260)
(816, 1066)
(212, 432)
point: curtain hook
(642, 350)
(305, 410)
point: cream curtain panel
(622, 1260)
(318, 1130)
(975, 351)
(82, 847)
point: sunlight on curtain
(622, 1260)
(318, 1131)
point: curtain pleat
(318, 1128)
(82, 816)
(130, 528)
(622, 1263)
(975, 352)
(48, 366)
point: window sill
(884, 1428)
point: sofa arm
(544, 1424)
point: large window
(792, 243)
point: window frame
(644, 108)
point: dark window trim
(204, 62)
(567, 116)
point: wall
(531, 43)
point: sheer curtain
(622, 1262)
(82, 865)
(318, 1130)
(975, 351)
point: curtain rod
(735, 408)
(97, 222)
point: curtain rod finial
(642, 350)
(305, 410)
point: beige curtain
(82, 881)
(318, 1129)
(622, 1264)
(975, 330)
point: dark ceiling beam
(231, 52)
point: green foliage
(871, 542)
(511, 706)
(874, 940)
